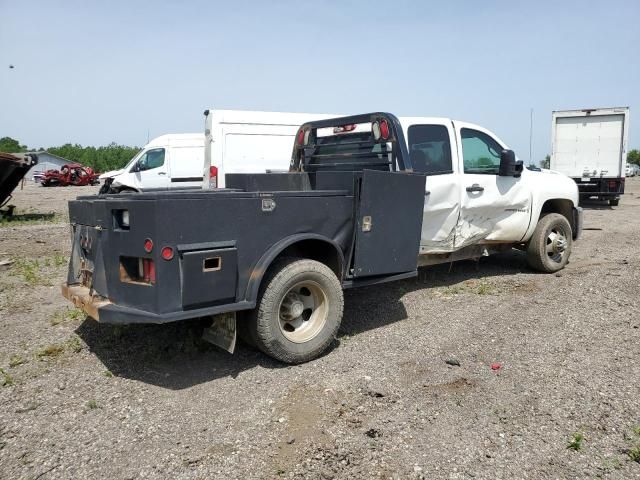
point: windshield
(134, 159)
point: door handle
(475, 188)
(162, 173)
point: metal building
(46, 161)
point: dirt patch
(85, 400)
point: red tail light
(148, 245)
(613, 185)
(384, 129)
(148, 271)
(167, 253)
(300, 138)
(213, 177)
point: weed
(107, 373)
(59, 260)
(58, 317)
(76, 314)
(576, 442)
(74, 344)
(73, 314)
(485, 288)
(613, 464)
(53, 350)
(92, 404)
(7, 380)
(27, 269)
(636, 430)
(634, 453)
(29, 218)
(16, 360)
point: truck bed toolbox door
(389, 223)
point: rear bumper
(104, 311)
(600, 187)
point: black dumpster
(13, 168)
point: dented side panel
(500, 212)
(441, 212)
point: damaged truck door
(495, 205)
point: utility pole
(531, 138)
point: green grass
(72, 345)
(16, 360)
(92, 404)
(66, 314)
(19, 219)
(7, 380)
(480, 287)
(634, 453)
(30, 270)
(53, 350)
(576, 442)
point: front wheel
(299, 311)
(550, 245)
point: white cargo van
(235, 141)
(590, 146)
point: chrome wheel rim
(556, 244)
(303, 311)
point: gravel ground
(82, 400)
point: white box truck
(238, 141)
(235, 141)
(590, 146)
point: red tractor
(70, 174)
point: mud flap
(222, 332)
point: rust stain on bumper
(82, 298)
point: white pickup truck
(367, 199)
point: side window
(430, 149)
(480, 152)
(151, 159)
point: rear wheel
(550, 245)
(614, 202)
(299, 311)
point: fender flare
(263, 264)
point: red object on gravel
(71, 174)
(496, 366)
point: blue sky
(92, 72)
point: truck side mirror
(509, 166)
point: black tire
(614, 202)
(295, 285)
(550, 245)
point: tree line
(101, 159)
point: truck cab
(469, 200)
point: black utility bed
(363, 223)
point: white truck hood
(111, 174)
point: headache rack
(372, 141)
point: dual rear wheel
(299, 311)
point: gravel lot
(82, 400)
